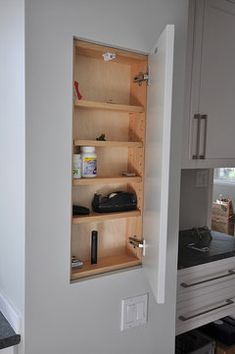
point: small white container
(88, 157)
(77, 166)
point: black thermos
(94, 246)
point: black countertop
(221, 246)
(8, 337)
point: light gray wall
(12, 147)
(194, 201)
(84, 318)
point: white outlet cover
(202, 179)
(134, 311)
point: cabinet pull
(203, 156)
(227, 303)
(198, 118)
(230, 272)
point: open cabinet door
(157, 161)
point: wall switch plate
(202, 177)
(134, 311)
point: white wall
(12, 157)
(194, 201)
(84, 318)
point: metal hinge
(137, 243)
(141, 77)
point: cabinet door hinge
(137, 243)
(141, 77)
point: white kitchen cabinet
(116, 98)
(205, 293)
(210, 114)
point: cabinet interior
(114, 105)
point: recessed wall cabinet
(209, 119)
(114, 85)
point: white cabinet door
(217, 91)
(212, 112)
(158, 131)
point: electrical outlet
(134, 311)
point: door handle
(186, 285)
(227, 303)
(198, 118)
(204, 117)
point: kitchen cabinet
(205, 293)
(209, 111)
(136, 119)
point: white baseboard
(11, 314)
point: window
(225, 175)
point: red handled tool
(78, 94)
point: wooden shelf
(96, 50)
(105, 216)
(104, 265)
(108, 106)
(106, 180)
(116, 106)
(98, 143)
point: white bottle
(77, 165)
(88, 161)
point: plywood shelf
(113, 105)
(108, 106)
(98, 143)
(106, 180)
(94, 50)
(93, 217)
(104, 265)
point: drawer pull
(227, 303)
(198, 118)
(203, 156)
(186, 285)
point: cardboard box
(224, 227)
(222, 349)
(222, 216)
(222, 210)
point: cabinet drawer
(206, 299)
(203, 279)
(192, 314)
(208, 286)
(205, 293)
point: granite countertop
(221, 246)
(8, 337)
